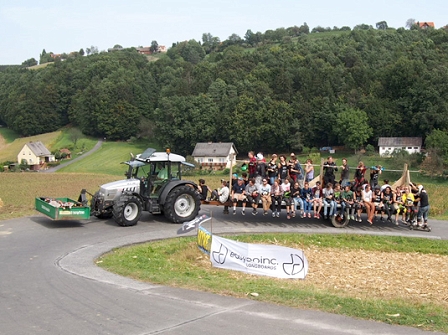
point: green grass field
(341, 278)
(107, 159)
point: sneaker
(277, 214)
(254, 212)
(243, 213)
(396, 222)
(293, 214)
(265, 213)
(273, 214)
(234, 212)
(381, 218)
(317, 216)
(309, 215)
(288, 216)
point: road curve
(68, 162)
(49, 283)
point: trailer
(62, 208)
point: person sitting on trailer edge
(221, 194)
(317, 200)
(239, 194)
(265, 191)
(252, 195)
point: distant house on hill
(144, 50)
(426, 25)
(216, 156)
(35, 154)
(66, 153)
(387, 145)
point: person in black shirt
(203, 189)
(423, 210)
(283, 171)
(272, 169)
(329, 169)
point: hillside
(285, 88)
(9, 151)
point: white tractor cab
(154, 184)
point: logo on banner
(204, 240)
(296, 266)
(220, 256)
(193, 224)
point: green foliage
(437, 144)
(370, 150)
(284, 88)
(352, 127)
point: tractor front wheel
(127, 213)
(182, 204)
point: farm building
(35, 154)
(216, 156)
(387, 145)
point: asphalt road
(49, 283)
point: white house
(35, 154)
(387, 145)
(216, 156)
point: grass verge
(18, 190)
(178, 263)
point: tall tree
(352, 127)
(154, 47)
(382, 25)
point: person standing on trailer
(272, 169)
(423, 211)
(329, 169)
(252, 164)
(283, 171)
(345, 173)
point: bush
(370, 150)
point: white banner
(260, 259)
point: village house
(35, 154)
(425, 25)
(215, 156)
(387, 145)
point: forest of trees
(284, 89)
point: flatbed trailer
(62, 208)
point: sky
(29, 26)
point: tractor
(154, 184)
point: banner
(259, 259)
(193, 224)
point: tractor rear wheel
(182, 204)
(127, 212)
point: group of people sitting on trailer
(297, 190)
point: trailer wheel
(127, 213)
(182, 204)
(340, 222)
